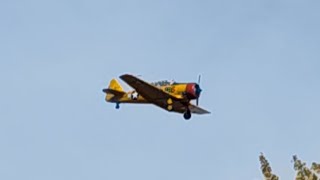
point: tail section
(114, 91)
(115, 85)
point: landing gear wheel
(118, 106)
(187, 115)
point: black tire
(187, 115)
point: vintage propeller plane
(171, 96)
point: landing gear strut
(187, 115)
(117, 105)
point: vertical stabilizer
(115, 85)
(114, 91)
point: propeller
(199, 80)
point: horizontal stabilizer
(114, 92)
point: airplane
(170, 96)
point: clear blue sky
(260, 66)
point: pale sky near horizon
(259, 61)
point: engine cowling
(193, 91)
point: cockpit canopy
(162, 83)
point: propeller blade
(199, 80)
